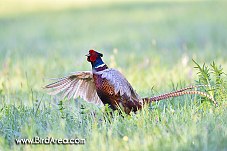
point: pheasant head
(95, 59)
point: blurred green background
(151, 42)
(154, 41)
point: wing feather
(59, 88)
(68, 89)
(72, 92)
(78, 84)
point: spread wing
(120, 83)
(79, 84)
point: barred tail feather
(176, 94)
(189, 88)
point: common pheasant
(105, 85)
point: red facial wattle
(93, 58)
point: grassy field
(152, 44)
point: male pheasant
(105, 85)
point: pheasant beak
(88, 55)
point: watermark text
(50, 140)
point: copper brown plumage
(108, 86)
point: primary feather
(79, 84)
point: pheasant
(105, 85)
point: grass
(153, 44)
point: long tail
(179, 93)
(189, 88)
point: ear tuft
(91, 51)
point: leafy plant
(213, 77)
